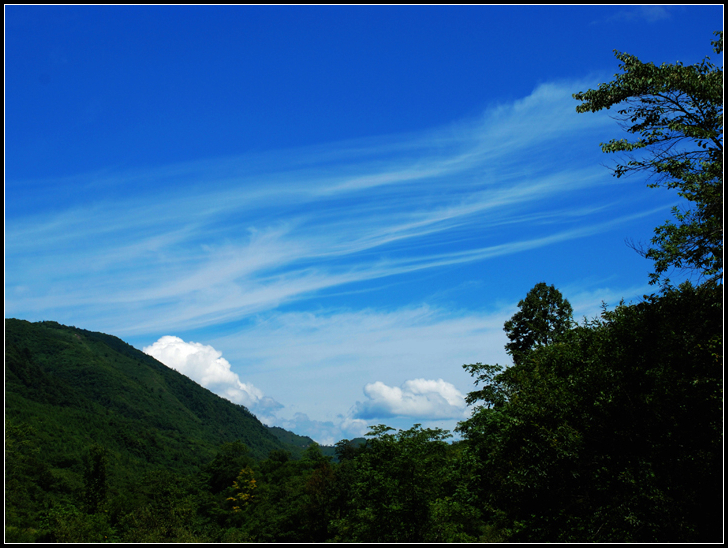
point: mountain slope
(76, 388)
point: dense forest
(604, 430)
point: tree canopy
(676, 113)
(543, 316)
(611, 434)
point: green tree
(231, 458)
(95, 480)
(314, 456)
(676, 112)
(166, 509)
(322, 494)
(402, 490)
(66, 523)
(543, 316)
(346, 450)
(291, 499)
(27, 482)
(611, 434)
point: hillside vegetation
(609, 431)
(68, 390)
(79, 387)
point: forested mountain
(77, 386)
(611, 431)
(68, 390)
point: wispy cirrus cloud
(651, 14)
(216, 241)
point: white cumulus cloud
(420, 398)
(206, 366)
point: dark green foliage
(614, 432)
(166, 507)
(543, 316)
(403, 486)
(27, 479)
(677, 113)
(68, 523)
(225, 467)
(607, 431)
(610, 431)
(297, 444)
(71, 383)
(348, 449)
(95, 481)
(36, 384)
(290, 438)
(68, 390)
(400, 487)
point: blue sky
(323, 212)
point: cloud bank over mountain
(206, 366)
(416, 398)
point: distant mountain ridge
(76, 388)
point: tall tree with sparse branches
(676, 114)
